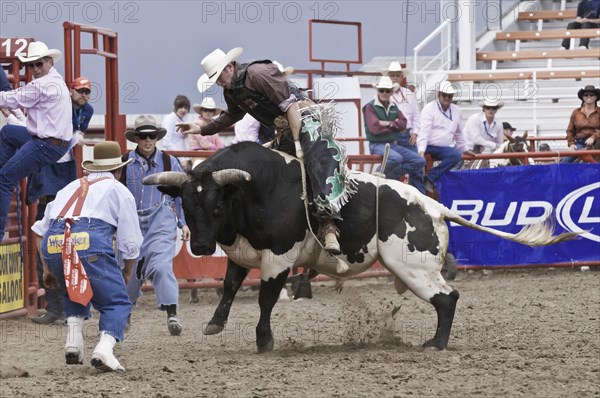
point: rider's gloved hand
(299, 152)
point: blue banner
(508, 198)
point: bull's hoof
(434, 344)
(265, 348)
(213, 328)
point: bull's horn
(230, 176)
(168, 178)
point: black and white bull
(248, 200)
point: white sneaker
(103, 357)
(106, 362)
(74, 355)
(174, 326)
(582, 48)
(562, 48)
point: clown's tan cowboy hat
(395, 66)
(447, 88)
(491, 103)
(589, 89)
(145, 124)
(39, 49)
(386, 82)
(213, 64)
(107, 157)
(288, 70)
(208, 103)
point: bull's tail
(539, 234)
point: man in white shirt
(484, 133)
(47, 137)
(441, 134)
(106, 211)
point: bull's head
(205, 200)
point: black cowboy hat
(589, 89)
(506, 125)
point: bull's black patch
(395, 214)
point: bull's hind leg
(267, 297)
(233, 280)
(425, 281)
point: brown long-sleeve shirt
(263, 78)
(582, 126)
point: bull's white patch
(81, 240)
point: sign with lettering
(14, 46)
(11, 278)
(81, 240)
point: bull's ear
(170, 190)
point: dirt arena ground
(529, 333)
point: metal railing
(444, 57)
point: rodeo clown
(75, 243)
(262, 90)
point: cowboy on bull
(303, 128)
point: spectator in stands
(588, 17)
(584, 124)
(206, 111)
(47, 137)
(108, 207)
(174, 140)
(43, 185)
(159, 216)
(441, 134)
(385, 124)
(405, 100)
(508, 130)
(483, 132)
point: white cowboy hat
(39, 49)
(213, 64)
(145, 124)
(288, 70)
(107, 157)
(492, 103)
(447, 88)
(395, 66)
(386, 82)
(207, 103)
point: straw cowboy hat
(145, 124)
(491, 103)
(396, 67)
(39, 49)
(208, 103)
(288, 70)
(589, 89)
(386, 82)
(107, 157)
(447, 88)
(213, 64)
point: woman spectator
(584, 125)
(206, 111)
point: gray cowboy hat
(107, 157)
(145, 124)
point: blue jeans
(402, 159)
(20, 155)
(106, 278)
(580, 143)
(449, 157)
